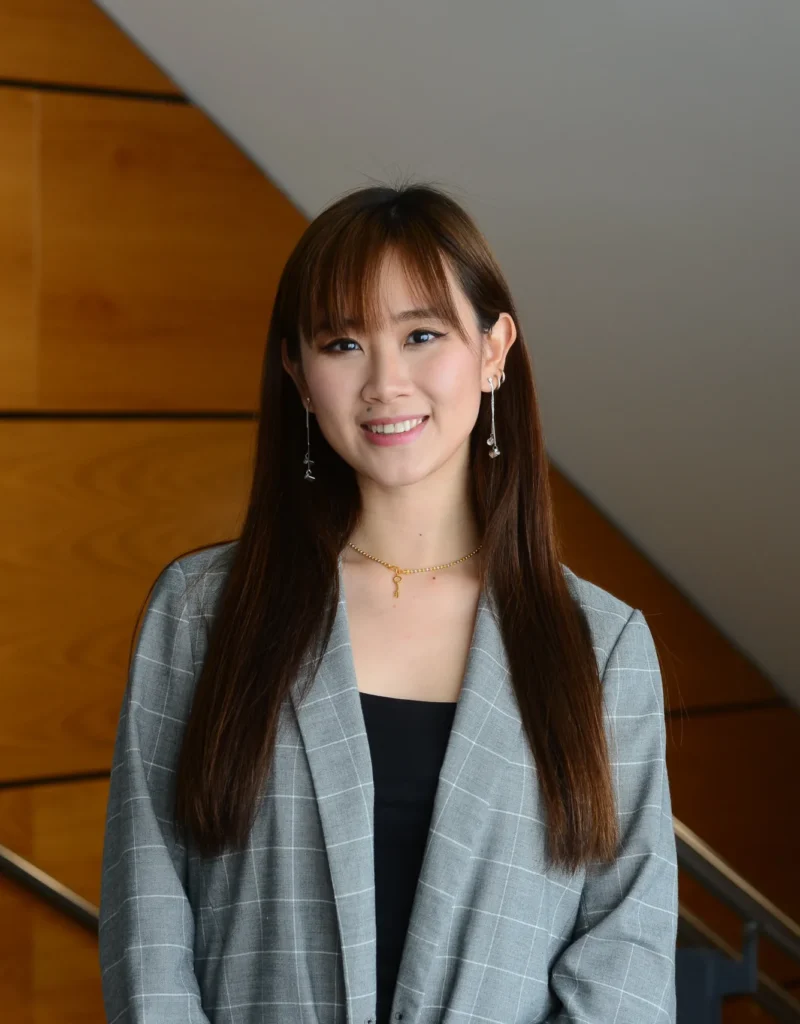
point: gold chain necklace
(396, 579)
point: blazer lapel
(332, 726)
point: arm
(619, 967)
(146, 937)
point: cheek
(453, 384)
(330, 394)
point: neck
(415, 526)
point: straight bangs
(340, 286)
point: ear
(496, 343)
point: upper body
(395, 326)
(285, 930)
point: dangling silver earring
(495, 451)
(308, 461)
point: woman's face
(414, 369)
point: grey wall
(636, 168)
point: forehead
(396, 286)
(399, 300)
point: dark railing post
(703, 977)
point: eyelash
(330, 347)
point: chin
(401, 477)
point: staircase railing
(707, 969)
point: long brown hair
(281, 592)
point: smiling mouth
(394, 428)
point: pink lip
(388, 440)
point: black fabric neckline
(406, 700)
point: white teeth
(396, 428)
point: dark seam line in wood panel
(52, 780)
(105, 92)
(127, 414)
(735, 707)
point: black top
(407, 740)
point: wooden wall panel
(49, 968)
(162, 245)
(89, 512)
(699, 665)
(59, 827)
(153, 256)
(16, 952)
(18, 251)
(742, 1010)
(72, 42)
(733, 781)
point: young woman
(384, 757)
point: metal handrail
(49, 888)
(706, 865)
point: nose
(387, 378)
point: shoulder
(209, 563)
(185, 593)
(607, 614)
(173, 635)
(203, 574)
(626, 653)
(603, 609)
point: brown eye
(330, 347)
(432, 334)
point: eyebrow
(398, 318)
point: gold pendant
(397, 579)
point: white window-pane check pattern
(620, 963)
(284, 930)
(147, 926)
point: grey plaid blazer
(285, 930)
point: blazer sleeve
(620, 962)
(146, 925)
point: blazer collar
(486, 729)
